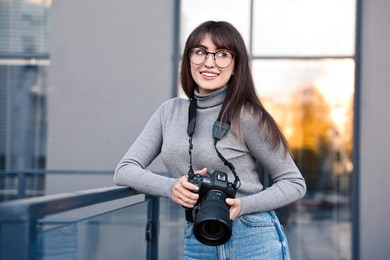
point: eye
(199, 52)
(223, 54)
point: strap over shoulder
(220, 129)
(191, 117)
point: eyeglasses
(222, 58)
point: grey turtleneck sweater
(166, 133)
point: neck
(211, 99)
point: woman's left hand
(235, 207)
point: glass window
(302, 59)
(23, 126)
(303, 27)
(194, 13)
(24, 27)
(312, 100)
(23, 116)
(24, 53)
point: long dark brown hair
(240, 88)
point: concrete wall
(374, 139)
(111, 67)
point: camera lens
(212, 229)
(212, 225)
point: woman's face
(207, 75)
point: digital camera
(212, 223)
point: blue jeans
(254, 236)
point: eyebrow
(206, 48)
(202, 46)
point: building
(334, 71)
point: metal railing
(22, 177)
(21, 220)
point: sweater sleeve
(131, 170)
(288, 183)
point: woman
(215, 75)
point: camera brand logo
(221, 177)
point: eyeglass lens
(222, 58)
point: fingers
(235, 207)
(201, 172)
(184, 193)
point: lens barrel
(212, 224)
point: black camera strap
(220, 129)
(190, 132)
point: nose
(209, 62)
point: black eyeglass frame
(207, 54)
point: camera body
(216, 181)
(212, 223)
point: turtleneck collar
(212, 99)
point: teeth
(207, 74)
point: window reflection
(23, 117)
(24, 27)
(312, 100)
(303, 27)
(24, 52)
(23, 126)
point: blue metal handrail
(19, 218)
(41, 172)
(21, 176)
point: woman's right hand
(185, 193)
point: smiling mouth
(209, 74)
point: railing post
(18, 241)
(21, 185)
(152, 228)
